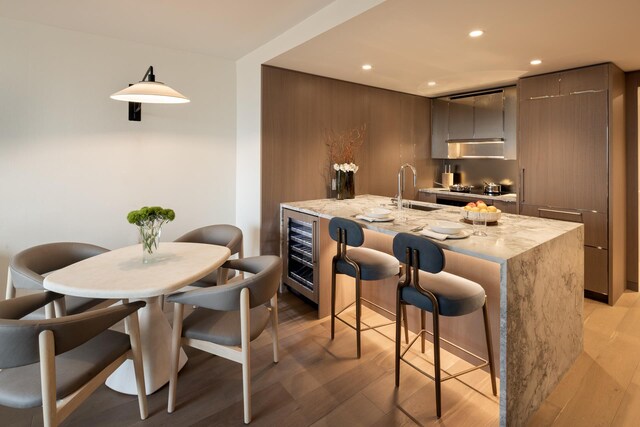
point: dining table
(121, 274)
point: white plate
(381, 213)
(461, 235)
(371, 219)
(447, 227)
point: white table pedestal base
(155, 334)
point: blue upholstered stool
(361, 264)
(428, 288)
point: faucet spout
(401, 182)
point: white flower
(345, 167)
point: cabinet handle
(578, 215)
(314, 242)
(522, 188)
(578, 92)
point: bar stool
(428, 288)
(361, 264)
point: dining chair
(227, 318)
(361, 264)
(426, 286)
(221, 235)
(57, 363)
(27, 270)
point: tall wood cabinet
(571, 154)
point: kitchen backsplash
(475, 171)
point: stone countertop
(513, 235)
(509, 198)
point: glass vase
(345, 184)
(150, 239)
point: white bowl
(481, 216)
(447, 227)
(377, 212)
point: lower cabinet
(596, 254)
(596, 270)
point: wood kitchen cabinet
(571, 154)
(570, 82)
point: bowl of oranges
(479, 211)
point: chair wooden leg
(398, 347)
(49, 311)
(48, 378)
(406, 323)
(178, 313)
(436, 363)
(60, 307)
(333, 299)
(10, 292)
(136, 349)
(423, 326)
(274, 326)
(487, 331)
(245, 332)
(358, 314)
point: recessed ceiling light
(367, 67)
(431, 83)
(536, 62)
(476, 33)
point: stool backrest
(352, 230)
(430, 256)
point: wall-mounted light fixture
(148, 90)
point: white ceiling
(408, 42)
(222, 28)
(411, 42)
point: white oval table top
(122, 274)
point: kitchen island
(536, 279)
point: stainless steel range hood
(475, 125)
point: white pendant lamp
(148, 91)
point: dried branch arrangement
(343, 146)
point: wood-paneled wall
(297, 111)
(631, 119)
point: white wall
(71, 164)
(248, 179)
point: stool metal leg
(436, 358)
(333, 298)
(423, 326)
(358, 311)
(406, 323)
(487, 332)
(397, 359)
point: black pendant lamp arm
(150, 75)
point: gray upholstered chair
(361, 264)
(28, 268)
(227, 318)
(58, 363)
(221, 235)
(426, 286)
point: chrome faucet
(401, 182)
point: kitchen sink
(412, 204)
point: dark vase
(346, 185)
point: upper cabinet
(478, 125)
(570, 82)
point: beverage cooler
(300, 253)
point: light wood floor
(319, 382)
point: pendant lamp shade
(150, 93)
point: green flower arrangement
(146, 215)
(149, 221)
